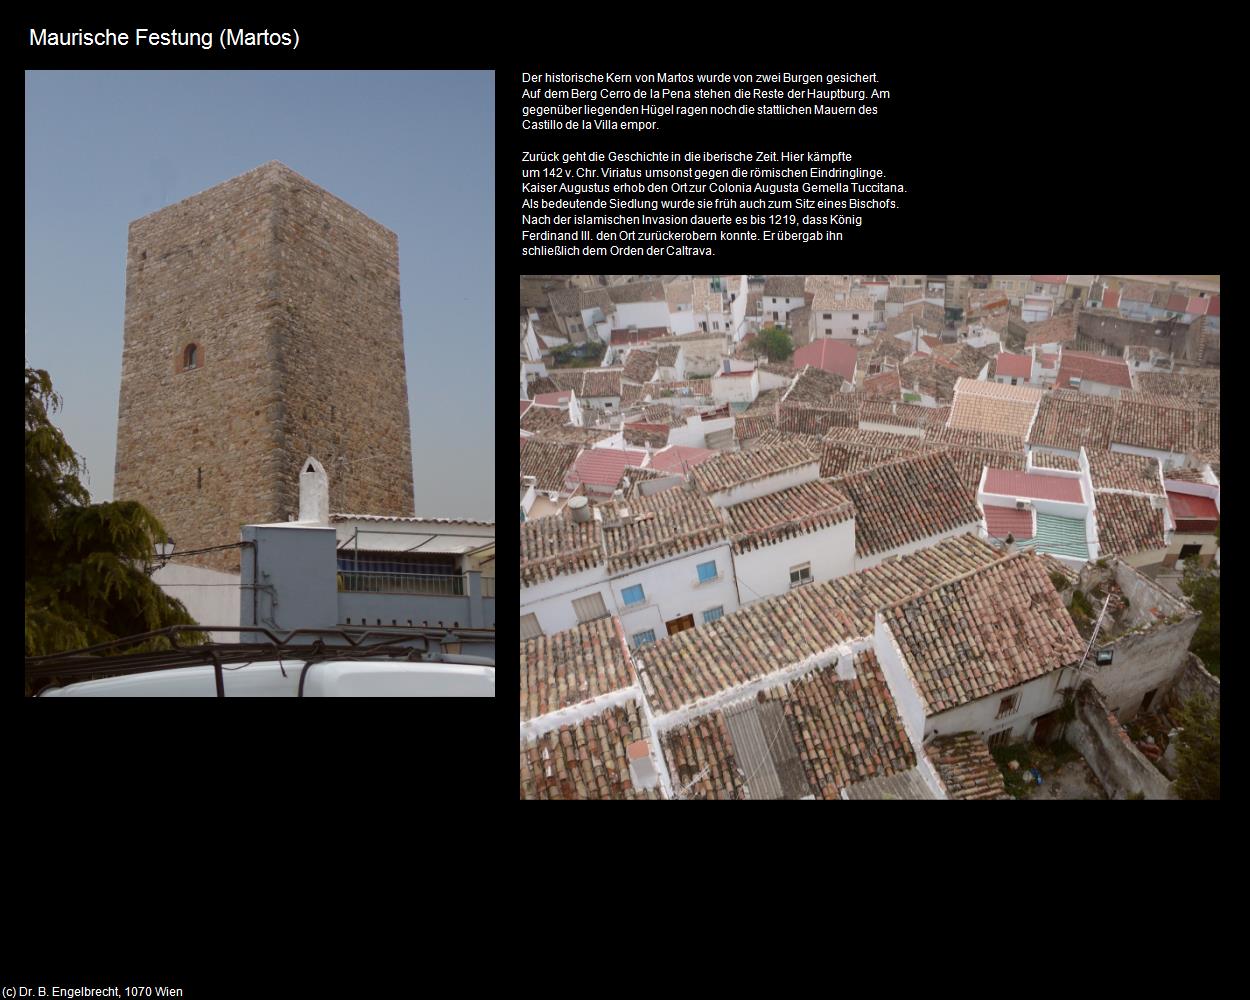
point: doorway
(680, 624)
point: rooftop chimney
(641, 767)
(314, 492)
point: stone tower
(262, 326)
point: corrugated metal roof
(765, 751)
(908, 785)
(1061, 536)
(1190, 507)
(396, 541)
(409, 520)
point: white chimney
(846, 664)
(314, 492)
(641, 767)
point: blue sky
(413, 150)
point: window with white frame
(641, 639)
(633, 595)
(707, 571)
(1008, 705)
(711, 614)
(800, 575)
(530, 629)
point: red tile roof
(525, 405)
(569, 667)
(1094, 368)
(907, 501)
(586, 760)
(1004, 521)
(1031, 485)
(836, 356)
(547, 461)
(779, 631)
(1185, 506)
(552, 398)
(673, 458)
(990, 631)
(1214, 308)
(1049, 279)
(602, 467)
(1127, 523)
(1058, 329)
(1111, 299)
(727, 471)
(622, 337)
(786, 514)
(966, 767)
(1013, 365)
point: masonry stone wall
(292, 299)
(1120, 767)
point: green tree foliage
(1202, 587)
(1198, 759)
(85, 578)
(775, 342)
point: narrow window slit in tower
(199, 478)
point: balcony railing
(488, 586)
(362, 582)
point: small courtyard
(1064, 773)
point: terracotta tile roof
(661, 526)
(537, 418)
(813, 420)
(776, 368)
(1185, 475)
(776, 517)
(1056, 330)
(968, 360)
(779, 631)
(773, 438)
(972, 451)
(1164, 423)
(565, 301)
(781, 286)
(1033, 486)
(884, 384)
(1003, 521)
(640, 365)
(668, 355)
(620, 338)
(993, 407)
(908, 501)
(678, 457)
(882, 411)
(679, 293)
(747, 427)
(540, 385)
(595, 298)
(569, 434)
(1049, 279)
(567, 378)
(637, 291)
(1127, 523)
(904, 293)
(553, 398)
(557, 545)
(1013, 365)
(1071, 420)
(601, 382)
(845, 731)
(847, 449)
(547, 462)
(570, 667)
(966, 767)
(1045, 460)
(813, 387)
(834, 356)
(734, 469)
(987, 632)
(766, 403)
(641, 435)
(701, 761)
(1200, 386)
(1092, 368)
(886, 345)
(930, 376)
(602, 467)
(1113, 470)
(588, 760)
(985, 299)
(659, 413)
